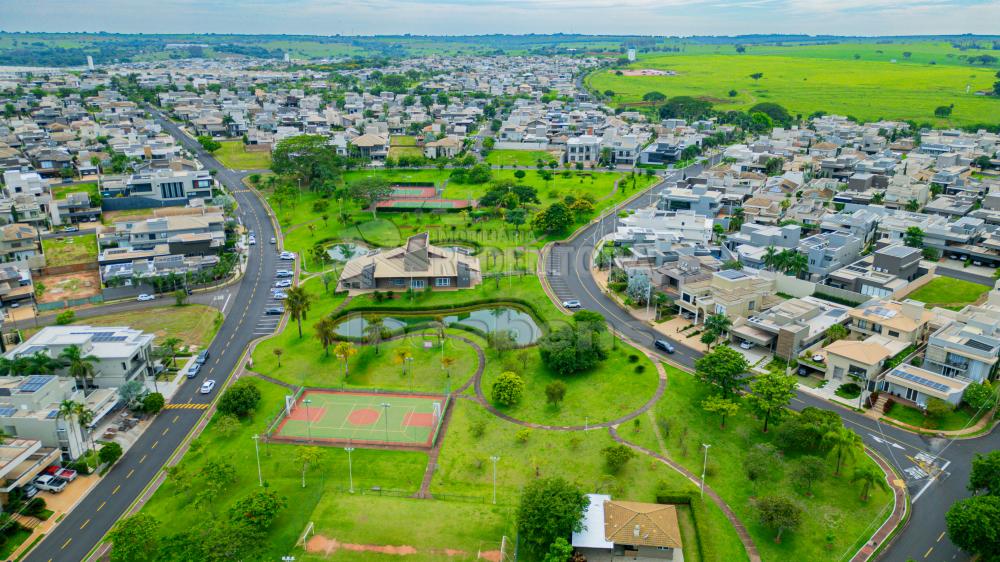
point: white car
(572, 304)
(145, 297)
(50, 483)
(287, 255)
(274, 240)
(281, 284)
(252, 241)
(207, 386)
(279, 295)
(283, 273)
(746, 345)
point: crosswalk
(556, 270)
(185, 406)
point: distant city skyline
(461, 17)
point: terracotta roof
(641, 524)
(864, 352)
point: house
(917, 385)
(121, 354)
(583, 149)
(157, 188)
(447, 147)
(21, 460)
(968, 347)
(371, 146)
(791, 326)
(625, 530)
(830, 251)
(698, 199)
(19, 242)
(862, 360)
(904, 321)
(192, 234)
(880, 274)
(418, 265)
(731, 292)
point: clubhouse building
(417, 265)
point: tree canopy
(571, 350)
(549, 508)
(724, 367)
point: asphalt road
(87, 524)
(935, 470)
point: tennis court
(330, 416)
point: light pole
(350, 468)
(704, 468)
(256, 450)
(494, 458)
(409, 370)
(307, 401)
(385, 408)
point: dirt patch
(648, 72)
(69, 286)
(319, 544)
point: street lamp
(307, 401)
(704, 468)
(350, 468)
(494, 458)
(385, 407)
(256, 450)
(409, 369)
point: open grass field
(69, 250)
(822, 78)
(194, 324)
(948, 292)
(958, 418)
(234, 155)
(61, 191)
(332, 417)
(521, 158)
(834, 512)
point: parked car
(71, 229)
(252, 241)
(283, 273)
(50, 483)
(274, 240)
(30, 491)
(279, 295)
(746, 345)
(281, 284)
(207, 386)
(66, 474)
(274, 310)
(92, 219)
(572, 304)
(193, 371)
(145, 297)
(202, 357)
(287, 255)
(664, 345)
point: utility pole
(704, 469)
(308, 419)
(256, 450)
(350, 468)
(385, 408)
(494, 458)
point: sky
(458, 17)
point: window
(751, 305)
(893, 333)
(442, 282)
(417, 283)
(399, 282)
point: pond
(344, 252)
(519, 324)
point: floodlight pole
(494, 458)
(704, 469)
(256, 450)
(385, 407)
(307, 401)
(350, 468)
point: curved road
(84, 527)
(935, 469)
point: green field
(61, 191)
(194, 324)
(948, 292)
(827, 78)
(521, 158)
(69, 250)
(233, 155)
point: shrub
(522, 435)
(937, 408)
(849, 390)
(34, 506)
(633, 358)
(66, 317)
(110, 452)
(240, 399)
(508, 388)
(639, 369)
(617, 456)
(980, 396)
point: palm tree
(169, 349)
(15, 367)
(344, 351)
(84, 416)
(770, 257)
(40, 363)
(374, 325)
(737, 219)
(68, 410)
(401, 356)
(797, 264)
(718, 323)
(81, 367)
(277, 354)
(298, 304)
(326, 331)
(869, 476)
(913, 205)
(844, 443)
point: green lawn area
(835, 509)
(403, 140)
(233, 155)
(948, 292)
(820, 78)
(519, 158)
(195, 324)
(12, 541)
(69, 250)
(958, 418)
(61, 191)
(408, 151)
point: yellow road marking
(928, 552)
(130, 473)
(115, 491)
(154, 445)
(65, 544)
(100, 507)
(85, 523)
(177, 417)
(142, 459)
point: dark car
(664, 345)
(194, 370)
(202, 358)
(274, 310)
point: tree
(180, 297)
(761, 460)
(985, 476)
(571, 350)
(617, 456)
(559, 551)
(684, 107)
(153, 402)
(843, 443)
(913, 205)
(974, 526)
(549, 508)
(808, 470)
(326, 332)
(80, 367)
(309, 157)
(835, 333)
(723, 367)
(776, 112)
(557, 217)
(298, 304)
(209, 144)
(277, 354)
(169, 348)
(869, 475)
(240, 399)
(306, 456)
(724, 407)
(516, 217)
(757, 75)
(654, 97)
(135, 539)
(555, 391)
(718, 323)
(374, 326)
(369, 191)
(942, 111)
(778, 513)
(980, 396)
(771, 258)
(259, 509)
(508, 388)
(770, 393)
(110, 452)
(344, 351)
(913, 237)
(774, 167)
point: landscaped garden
(948, 292)
(950, 420)
(69, 250)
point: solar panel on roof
(976, 344)
(922, 381)
(7, 412)
(34, 383)
(52, 415)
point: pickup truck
(50, 483)
(66, 474)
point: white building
(682, 226)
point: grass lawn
(195, 324)
(948, 292)
(521, 158)
(464, 468)
(834, 510)
(408, 151)
(956, 419)
(12, 541)
(173, 507)
(403, 140)
(69, 250)
(233, 155)
(61, 191)
(870, 88)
